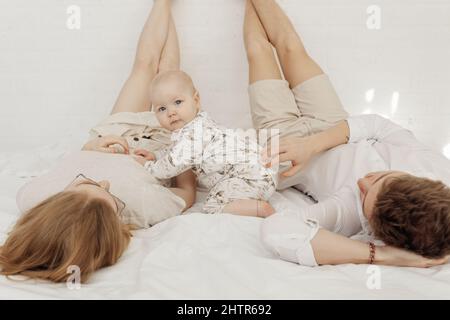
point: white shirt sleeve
(288, 234)
(162, 152)
(185, 152)
(372, 126)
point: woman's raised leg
(297, 65)
(170, 57)
(135, 94)
(261, 58)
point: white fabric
(376, 144)
(147, 202)
(225, 162)
(202, 256)
(288, 236)
(141, 130)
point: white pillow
(147, 200)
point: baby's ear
(197, 99)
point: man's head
(408, 212)
(175, 100)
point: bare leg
(261, 58)
(297, 65)
(185, 188)
(135, 94)
(254, 208)
(170, 57)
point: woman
(412, 213)
(71, 217)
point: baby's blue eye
(177, 102)
(161, 109)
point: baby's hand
(140, 160)
(144, 154)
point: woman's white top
(147, 201)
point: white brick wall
(55, 83)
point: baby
(235, 186)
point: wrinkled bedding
(198, 256)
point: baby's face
(174, 104)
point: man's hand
(392, 256)
(106, 144)
(297, 150)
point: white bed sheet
(199, 256)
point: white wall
(56, 83)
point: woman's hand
(142, 156)
(391, 256)
(297, 150)
(145, 154)
(142, 161)
(106, 144)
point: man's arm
(362, 127)
(290, 233)
(333, 137)
(317, 235)
(332, 248)
(375, 127)
(297, 239)
(300, 150)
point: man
(372, 179)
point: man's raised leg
(261, 58)
(297, 65)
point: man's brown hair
(414, 213)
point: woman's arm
(106, 144)
(185, 187)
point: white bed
(198, 256)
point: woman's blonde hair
(68, 229)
